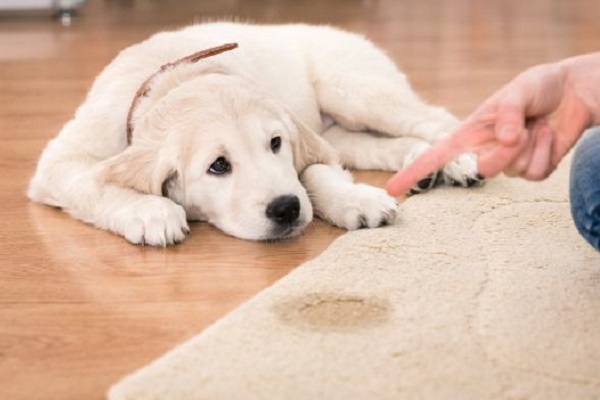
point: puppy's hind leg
(371, 151)
(395, 113)
(362, 90)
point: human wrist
(582, 75)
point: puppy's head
(228, 154)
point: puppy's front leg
(337, 199)
(144, 219)
(140, 218)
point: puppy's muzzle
(284, 210)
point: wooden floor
(80, 307)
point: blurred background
(443, 45)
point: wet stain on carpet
(335, 312)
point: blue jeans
(585, 187)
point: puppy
(251, 139)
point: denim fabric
(585, 187)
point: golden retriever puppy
(251, 138)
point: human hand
(524, 129)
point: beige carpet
(483, 294)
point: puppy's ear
(139, 167)
(310, 148)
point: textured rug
(472, 294)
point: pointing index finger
(468, 137)
(431, 160)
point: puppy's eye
(276, 144)
(220, 166)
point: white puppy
(237, 139)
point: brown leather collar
(145, 89)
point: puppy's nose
(284, 209)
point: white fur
(290, 81)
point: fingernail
(400, 198)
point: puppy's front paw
(363, 206)
(462, 172)
(152, 220)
